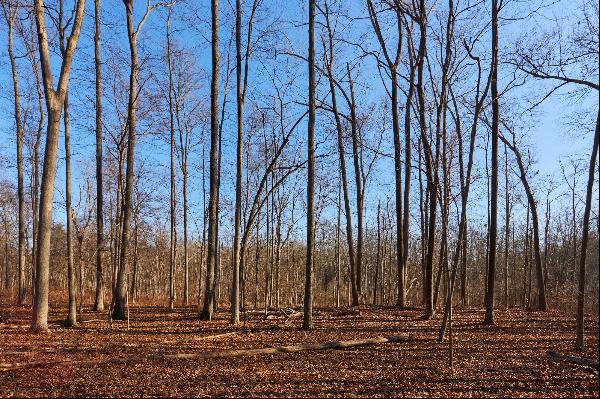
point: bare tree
(173, 198)
(585, 238)
(99, 299)
(212, 249)
(120, 289)
(310, 188)
(392, 62)
(10, 10)
(242, 85)
(541, 286)
(54, 102)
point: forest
(313, 198)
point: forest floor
(508, 359)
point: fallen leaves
(509, 359)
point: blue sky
(550, 130)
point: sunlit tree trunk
(310, 188)
(172, 202)
(99, 300)
(493, 227)
(211, 260)
(120, 292)
(10, 13)
(584, 239)
(54, 104)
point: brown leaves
(509, 359)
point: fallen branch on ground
(214, 354)
(574, 359)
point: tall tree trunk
(541, 286)
(338, 254)
(407, 162)
(30, 46)
(344, 176)
(460, 254)
(120, 293)
(359, 184)
(506, 226)
(240, 96)
(54, 103)
(392, 65)
(211, 259)
(431, 188)
(99, 301)
(72, 315)
(378, 256)
(172, 202)
(584, 239)
(310, 189)
(493, 227)
(186, 270)
(10, 13)
(72, 302)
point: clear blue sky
(551, 132)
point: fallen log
(213, 354)
(574, 359)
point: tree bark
(584, 240)
(211, 259)
(541, 286)
(172, 202)
(10, 13)
(493, 228)
(54, 103)
(120, 292)
(344, 176)
(72, 305)
(99, 299)
(310, 188)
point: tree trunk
(99, 301)
(541, 286)
(493, 228)
(506, 227)
(172, 202)
(584, 239)
(310, 189)
(186, 270)
(211, 260)
(54, 103)
(72, 315)
(120, 293)
(344, 179)
(10, 13)
(359, 188)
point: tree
(329, 62)
(465, 184)
(541, 286)
(307, 323)
(585, 238)
(54, 102)
(392, 62)
(99, 298)
(213, 200)
(493, 228)
(10, 14)
(173, 198)
(241, 85)
(574, 65)
(120, 289)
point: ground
(508, 359)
